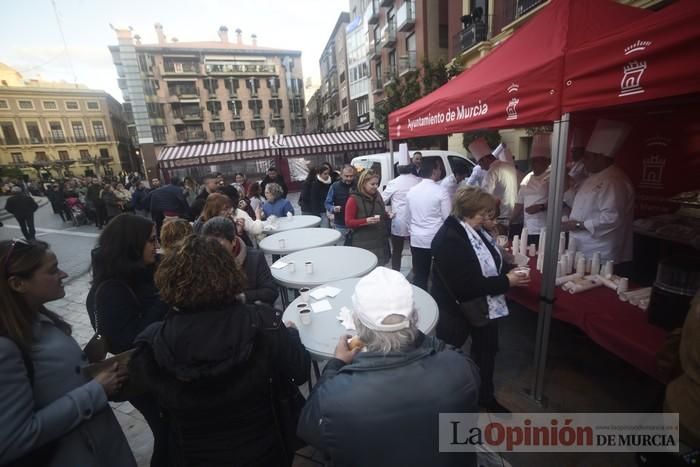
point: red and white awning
(281, 145)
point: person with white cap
(534, 189)
(428, 207)
(501, 179)
(603, 208)
(380, 406)
(394, 195)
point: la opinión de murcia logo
(633, 70)
(511, 108)
(653, 165)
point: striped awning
(279, 145)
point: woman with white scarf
(314, 191)
(468, 266)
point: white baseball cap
(381, 293)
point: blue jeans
(343, 232)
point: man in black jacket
(274, 177)
(381, 407)
(337, 196)
(23, 207)
(167, 200)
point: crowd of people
(180, 289)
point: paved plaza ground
(582, 377)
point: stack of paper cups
(608, 269)
(595, 264)
(523, 241)
(516, 245)
(581, 266)
(560, 268)
(572, 244)
(566, 264)
(622, 285)
(540, 245)
(562, 243)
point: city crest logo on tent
(633, 70)
(511, 110)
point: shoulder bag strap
(444, 282)
(97, 291)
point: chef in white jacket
(501, 179)
(534, 189)
(395, 195)
(603, 208)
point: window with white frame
(72, 105)
(57, 132)
(17, 157)
(49, 105)
(78, 131)
(4, 104)
(93, 105)
(25, 104)
(99, 129)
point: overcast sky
(30, 40)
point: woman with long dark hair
(124, 299)
(50, 413)
(219, 367)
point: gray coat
(62, 404)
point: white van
(387, 169)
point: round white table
(294, 222)
(298, 239)
(330, 263)
(321, 336)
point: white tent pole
(555, 197)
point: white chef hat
(498, 152)
(479, 148)
(507, 156)
(403, 154)
(607, 137)
(381, 293)
(541, 145)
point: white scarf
(326, 182)
(497, 303)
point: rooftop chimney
(255, 40)
(239, 36)
(223, 34)
(159, 33)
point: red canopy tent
(520, 82)
(655, 57)
(570, 57)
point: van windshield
(365, 164)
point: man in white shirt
(603, 208)
(501, 179)
(395, 195)
(428, 207)
(534, 189)
(454, 181)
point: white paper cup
(532, 250)
(523, 271)
(309, 267)
(291, 266)
(283, 243)
(305, 316)
(304, 294)
(377, 216)
(502, 241)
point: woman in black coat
(124, 299)
(314, 191)
(467, 265)
(218, 367)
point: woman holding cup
(469, 268)
(366, 215)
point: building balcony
(377, 85)
(181, 69)
(390, 75)
(184, 92)
(406, 16)
(525, 6)
(191, 136)
(373, 12)
(470, 36)
(389, 35)
(188, 115)
(407, 63)
(241, 69)
(374, 51)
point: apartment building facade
(194, 92)
(60, 129)
(402, 34)
(335, 89)
(357, 46)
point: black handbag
(476, 310)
